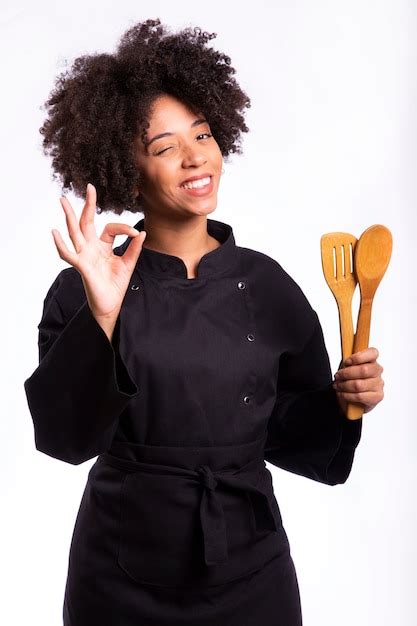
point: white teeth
(202, 182)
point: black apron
(178, 520)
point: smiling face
(185, 150)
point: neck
(186, 238)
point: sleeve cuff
(79, 389)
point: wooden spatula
(371, 258)
(337, 258)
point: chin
(206, 210)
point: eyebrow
(195, 123)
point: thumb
(134, 249)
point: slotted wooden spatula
(337, 259)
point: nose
(193, 156)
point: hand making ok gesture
(105, 275)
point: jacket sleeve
(81, 384)
(308, 434)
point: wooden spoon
(337, 254)
(371, 259)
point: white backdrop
(332, 147)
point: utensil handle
(361, 341)
(346, 327)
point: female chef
(180, 359)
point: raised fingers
(89, 211)
(74, 231)
(62, 248)
(82, 229)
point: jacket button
(135, 287)
(241, 284)
(250, 337)
(246, 399)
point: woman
(181, 359)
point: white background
(332, 147)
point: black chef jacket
(233, 356)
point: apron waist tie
(212, 516)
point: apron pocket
(160, 535)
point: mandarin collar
(212, 263)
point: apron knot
(212, 516)
(207, 477)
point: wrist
(343, 404)
(107, 323)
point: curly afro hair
(100, 106)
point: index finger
(363, 356)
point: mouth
(198, 187)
